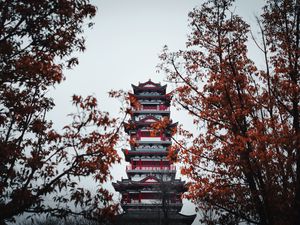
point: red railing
(154, 108)
(150, 168)
(153, 139)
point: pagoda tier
(137, 124)
(148, 152)
(138, 194)
(153, 96)
(150, 86)
(149, 181)
(151, 194)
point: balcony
(149, 149)
(151, 206)
(150, 159)
(141, 204)
(166, 141)
(150, 169)
(145, 169)
(153, 109)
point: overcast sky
(123, 48)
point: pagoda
(151, 195)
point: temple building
(151, 195)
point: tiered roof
(144, 152)
(150, 169)
(149, 85)
(149, 181)
(148, 120)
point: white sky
(123, 48)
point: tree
(37, 40)
(244, 163)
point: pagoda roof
(148, 120)
(150, 178)
(149, 86)
(149, 152)
(149, 181)
(147, 111)
(164, 143)
(166, 97)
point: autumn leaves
(244, 164)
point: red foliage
(245, 164)
(37, 40)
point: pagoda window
(149, 195)
(151, 201)
(154, 105)
(150, 107)
(149, 93)
(147, 133)
(163, 107)
(135, 198)
(150, 165)
(126, 198)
